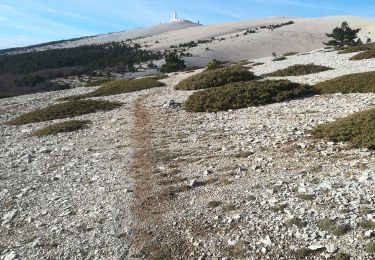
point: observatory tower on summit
(175, 19)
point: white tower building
(175, 19)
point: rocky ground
(147, 181)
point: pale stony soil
(340, 63)
(305, 34)
(85, 195)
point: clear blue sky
(25, 22)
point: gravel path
(149, 182)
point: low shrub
(94, 83)
(358, 129)
(116, 87)
(364, 55)
(257, 64)
(279, 58)
(298, 70)
(160, 76)
(358, 48)
(64, 110)
(352, 83)
(214, 64)
(290, 53)
(215, 78)
(68, 126)
(246, 94)
(173, 63)
(370, 248)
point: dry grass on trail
(152, 237)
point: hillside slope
(230, 43)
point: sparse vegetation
(331, 227)
(290, 53)
(358, 129)
(64, 110)
(352, 83)
(303, 252)
(246, 94)
(213, 204)
(370, 248)
(279, 207)
(215, 78)
(279, 58)
(68, 126)
(342, 256)
(370, 54)
(116, 87)
(296, 222)
(305, 196)
(275, 26)
(342, 36)
(357, 48)
(239, 249)
(298, 70)
(367, 224)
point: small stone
(207, 172)
(331, 248)
(264, 250)
(364, 177)
(29, 158)
(10, 256)
(193, 183)
(325, 186)
(266, 241)
(315, 247)
(255, 167)
(370, 233)
(8, 217)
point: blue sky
(25, 22)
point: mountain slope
(231, 43)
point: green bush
(215, 78)
(214, 64)
(116, 87)
(245, 94)
(358, 129)
(298, 70)
(173, 63)
(352, 83)
(68, 126)
(364, 55)
(64, 110)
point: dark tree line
(92, 57)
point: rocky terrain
(153, 181)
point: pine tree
(342, 36)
